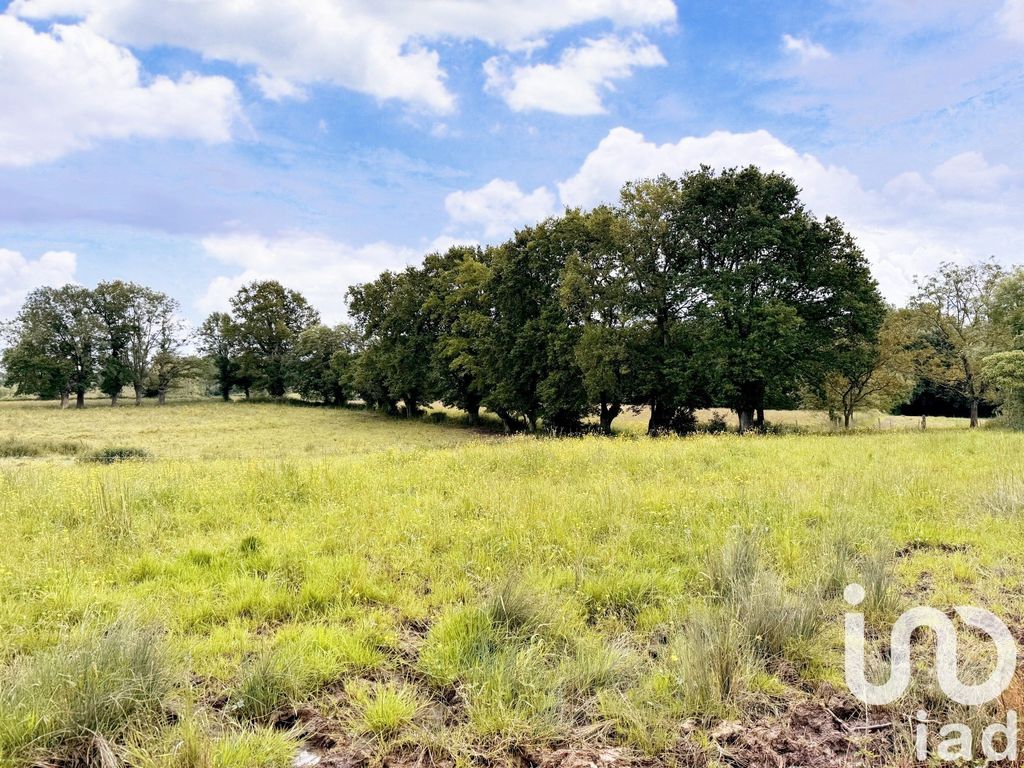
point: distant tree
(871, 373)
(320, 368)
(218, 339)
(777, 287)
(1005, 308)
(397, 330)
(459, 308)
(54, 345)
(169, 366)
(111, 303)
(270, 318)
(596, 294)
(659, 272)
(1004, 372)
(529, 349)
(951, 309)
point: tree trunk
(510, 424)
(411, 408)
(608, 414)
(248, 393)
(660, 421)
(65, 400)
(161, 397)
(924, 421)
(473, 411)
(225, 393)
(974, 413)
(531, 422)
(80, 399)
(847, 418)
(138, 394)
(746, 418)
(759, 421)
(114, 398)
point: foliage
(951, 308)
(397, 330)
(270, 319)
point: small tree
(169, 365)
(877, 373)
(951, 309)
(218, 339)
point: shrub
(716, 425)
(116, 455)
(12, 448)
(80, 702)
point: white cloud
(499, 206)
(905, 228)
(278, 88)
(64, 90)
(624, 155)
(320, 268)
(576, 84)
(970, 173)
(365, 45)
(19, 276)
(1012, 18)
(805, 49)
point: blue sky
(195, 145)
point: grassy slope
(363, 564)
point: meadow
(265, 580)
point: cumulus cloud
(1012, 18)
(576, 84)
(970, 173)
(375, 48)
(65, 89)
(905, 227)
(498, 207)
(19, 276)
(321, 268)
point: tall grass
(80, 701)
(482, 597)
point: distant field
(363, 587)
(214, 430)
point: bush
(82, 701)
(716, 425)
(118, 454)
(12, 448)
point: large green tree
(398, 332)
(529, 349)
(659, 273)
(777, 288)
(54, 349)
(270, 319)
(596, 295)
(459, 307)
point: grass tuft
(79, 702)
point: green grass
(427, 587)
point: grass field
(275, 578)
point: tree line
(713, 289)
